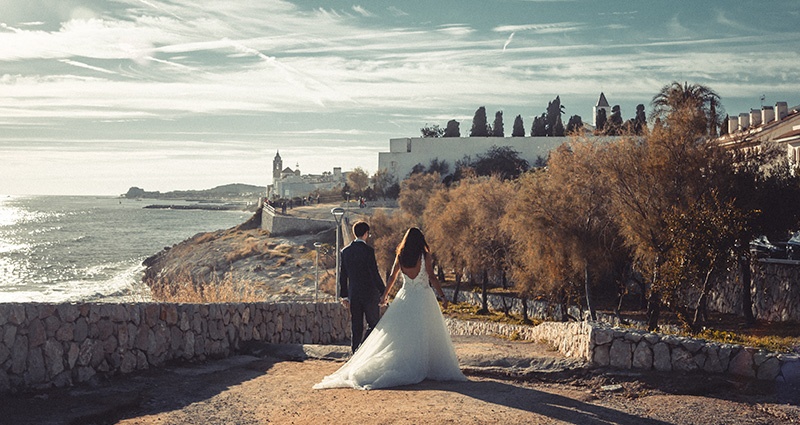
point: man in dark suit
(360, 284)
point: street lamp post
(316, 271)
(338, 213)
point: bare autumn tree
(566, 208)
(651, 177)
(382, 180)
(415, 192)
(386, 231)
(443, 223)
(702, 239)
(358, 180)
(477, 205)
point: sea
(90, 249)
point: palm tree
(693, 101)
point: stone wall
(45, 345)
(602, 345)
(775, 291)
(285, 225)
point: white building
(779, 124)
(405, 153)
(288, 183)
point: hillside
(233, 191)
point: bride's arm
(433, 280)
(392, 279)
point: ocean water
(80, 248)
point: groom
(360, 284)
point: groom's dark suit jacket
(359, 279)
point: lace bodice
(421, 281)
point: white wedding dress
(410, 343)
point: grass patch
(187, 290)
(776, 343)
(466, 311)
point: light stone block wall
(283, 225)
(46, 345)
(605, 346)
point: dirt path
(509, 382)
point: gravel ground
(509, 382)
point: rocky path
(509, 382)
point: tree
(452, 129)
(358, 180)
(640, 121)
(564, 235)
(480, 125)
(386, 231)
(558, 130)
(415, 191)
(701, 105)
(382, 180)
(519, 127)
(574, 125)
(441, 167)
(613, 126)
(553, 114)
(464, 218)
(539, 128)
(502, 161)
(652, 177)
(497, 127)
(600, 119)
(702, 238)
(431, 131)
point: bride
(411, 341)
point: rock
(66, 332)
(81, 330)
(662, 360)
(691, 345)
(9, 335)
(16, 314)
(67, 312)
(769, 369)
(742, 364)
(5, 353)
(36, 333)
(36, 373)
(682, 360)
(602, 336)
(620, 354)
(19, 355)
(642, 356)
(54, 358)
(790, 370)
(712, 363)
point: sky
(97, 96)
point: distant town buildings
(288, 183)
(779, 124)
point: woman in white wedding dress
(411, 341)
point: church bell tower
(277, 167)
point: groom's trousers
(360, 311)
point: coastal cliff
(277, 268)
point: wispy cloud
(361, 11)
(508, 41)
(541, 28)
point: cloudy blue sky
(100, 95)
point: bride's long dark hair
(411, 248)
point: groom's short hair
(360, 228)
